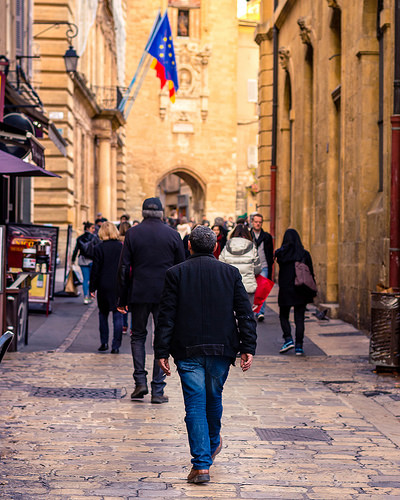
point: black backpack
(87, 247)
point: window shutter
(252, 90)
(19, 27)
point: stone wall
(328, 185)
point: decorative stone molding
(192, 96)
(284, 55)
(333, 4)
(305, 30)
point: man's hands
(245, 361)
(123, 310)
(163, 363)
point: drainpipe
(275, 34)
(394, 250)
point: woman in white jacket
(241, 252)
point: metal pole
(274, 132)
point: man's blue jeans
(202, 379)
(264, 273)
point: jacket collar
(201, 255)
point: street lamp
(71, 60)
(70, 56)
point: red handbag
(264, 287)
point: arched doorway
(182, 194)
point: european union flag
(162, 49)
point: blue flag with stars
(162, 49)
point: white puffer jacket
(242, 253)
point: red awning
(11, 165)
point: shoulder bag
(304, 276)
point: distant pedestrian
(123, 218)
(204, 331)
(84, 259)
(265, 248)
(103, 280)
(183, 227)
(150, 248)
(123, 228)
(290, 295)
(241, 252)
(221, 239)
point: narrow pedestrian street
(323, 426)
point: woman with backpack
(85, 247)
(290, 294)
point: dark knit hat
(152, 204)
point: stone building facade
(196, 138)
(326, 134)
(83, 105)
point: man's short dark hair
(202, 239)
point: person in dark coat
(265, 248)
(205, 319)
(84, 260)
(103, 279)
(150, 248)
(298, 297)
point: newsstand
(384, 347)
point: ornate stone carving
(284, 55)
(305, 30)
(333, 4)
(192, 96)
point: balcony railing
(108, 97)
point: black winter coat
(289, 294)
(268, 248)
(103, 276)
(197, 311)
(150, 248)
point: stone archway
(182, 190)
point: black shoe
(103, 347)
(114, 351)
(139, 392)
(157, 400)
(260, 318)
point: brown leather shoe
(217, 450)
(198, 476)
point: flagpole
(138, 86)
(142, 59)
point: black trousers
(299, 312)
(140, 316)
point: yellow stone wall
(327, 149)
(197, 136)
(94, 134)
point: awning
(11, 165)
(19, 143)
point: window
(183, 22)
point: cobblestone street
(320, 427)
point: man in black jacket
(150, 248)
(265, 247)
(205, 319)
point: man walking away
(205, 320)
(265, 247)
(150, 248)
